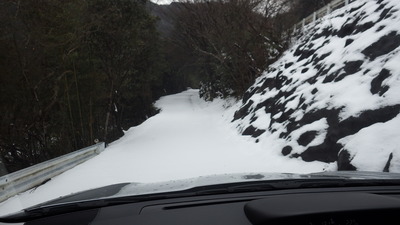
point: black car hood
(138, 189)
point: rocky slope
(334, 96)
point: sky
(162, 2)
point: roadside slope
(334, 96)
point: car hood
(138, 189)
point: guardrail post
(100, 148)
(346, 2)
(328, 9)
(314, 18)
(303, 23)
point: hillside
(334, 96)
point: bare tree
(234, 39)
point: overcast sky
(162, 2)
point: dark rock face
(307, 137)
(353, 124)
(376, 84)
(286, 150)
(242, 111)
(348, 42)
(348, 28)
(387, 166)
(326, 152)
(383, 46)
(353, 66)
(252, 131)
(310, 89)
(344, 161)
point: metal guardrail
(335, 4)
(25, 179)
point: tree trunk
(110, 106)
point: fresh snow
(188, 138)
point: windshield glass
(193, 93)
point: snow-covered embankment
(335, 95)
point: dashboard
(306, 206)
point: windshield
(193, 93)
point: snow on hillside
(335, 95)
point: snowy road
(188, 138)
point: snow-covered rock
(334, 96)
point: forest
(73, 73)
